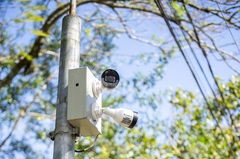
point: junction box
(81, 101)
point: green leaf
(88, 32)
(33, 17)
(36, 18)
(178, 9)
(154, 37)
(24, 0)
(20, 20)
(27, 56)
(30, 17)
(38, 7)
(38, 81)
(40, 33)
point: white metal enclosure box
(80, 101)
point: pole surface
(69, 58)
(73, 5)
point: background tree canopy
(150, 35)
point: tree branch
(38, 43)
(23, 110)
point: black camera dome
(110, 78)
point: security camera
(124, 117)
(109, 80)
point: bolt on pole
(64, 134)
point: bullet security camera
(124, 117)
(110, 79)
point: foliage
(194, 131)
(29, 51)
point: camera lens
(110, 79)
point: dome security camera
(124, 117)
(109, 80)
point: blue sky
(176, 73)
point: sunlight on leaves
(40, 33)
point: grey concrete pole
(64, 135)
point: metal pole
(72, 7)
(64, 136)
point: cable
(228, 27)
(201, 68)
(161, 9)
(194, 54)
(92, 145)
(211, 71)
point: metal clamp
(63, 129)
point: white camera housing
(124, 117)
(80, 101)
(84, 109)
(109, 80)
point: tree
(194, 122)
(29, 46)
(192, 132)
